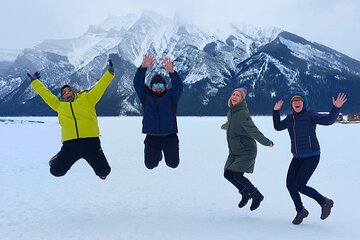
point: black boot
(52, 159)
(246, 196)
(257, 197)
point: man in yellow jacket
(79, 124)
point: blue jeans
(299, 173)
(154, 145)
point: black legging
(299, 173)
(239, 181)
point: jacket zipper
(294, 135)
(310, 142)
(76, 126)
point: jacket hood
(303, 95)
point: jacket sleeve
(278, 125)
(253, 131)
(49, 98)
(327, 119)
(177, 86)
(98, 90)
(225, 126)
(139, 83)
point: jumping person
(241, 134)
(159, 104)
(79, 125)
(301, 125)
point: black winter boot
(246, 196)
(257, 197)
(52, 159)
(303, 213)
(102, 177)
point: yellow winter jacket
(78, 118)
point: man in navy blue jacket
(301, 125)
(159, 105)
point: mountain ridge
(269, 62)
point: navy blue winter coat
(302, 128)
(159, 110)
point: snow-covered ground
(193, 201)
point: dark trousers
(299, 173)
(239, 181)
(72, 150)
(154, 145)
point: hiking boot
(326, 208)
(257, 197)
(246, 196)
(303, 213)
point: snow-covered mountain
(269, 62)
(8, 55)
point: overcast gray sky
(334, 23)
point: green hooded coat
(241, 134)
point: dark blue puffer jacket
(159, 110)
(302, 128)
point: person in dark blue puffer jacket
(301, 125)
(159, 105)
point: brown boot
(303, 213)
(326, 208)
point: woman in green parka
(241, 134)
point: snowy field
(191, 202)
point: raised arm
(176, 83)
(98, 90)
(49, 98)
(278, 125)
(139, 79)
(328, 119)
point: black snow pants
(73, 150)
(155, 145)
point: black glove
(35, 76)
(111, 67)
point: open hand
(148, 61)
(340, 100)
(167, 64)
(278, 105)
